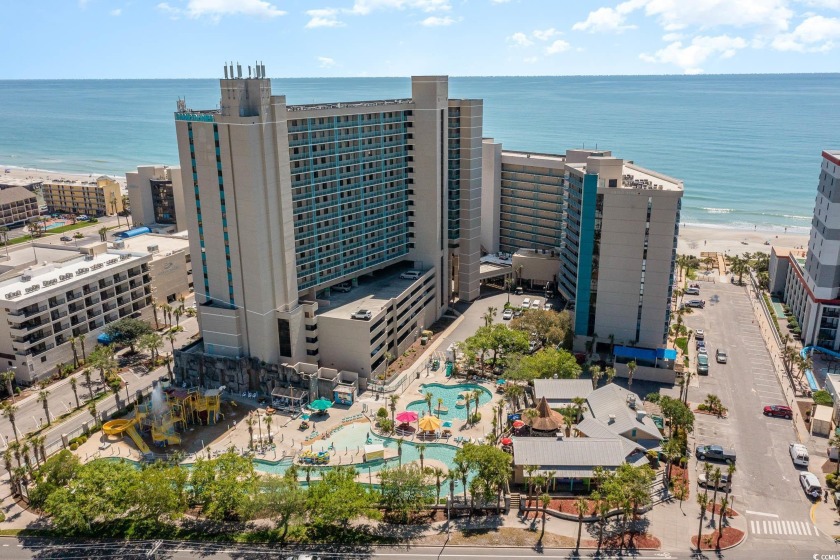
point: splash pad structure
(167, 414)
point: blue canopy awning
(635, 353)
(103, 338)
(666, 353)
(142, 230)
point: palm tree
(178, 312)
(569, 415)
(428, 398)
(8, 376)
(529, 471)
(399, 450)
(9, 411)
(439, 405)
(467, 404)
(103, 233)
(25, 448)
(421, 449)
(155, 313)
(530, 415)
(37, 443)
(582, 508)
(489, 315)
(597, 373)
(93, 412)
(103, 359)
(73, 340)
(87, 374)
(702, 501)
(171, 335)
(267, 421)
(250, 422)
(4, 234)
(512, 393)
(43, 398)
(392, 404)
(545, 500)
(716, 477)
(439, 475)
(631, 369)
(308, 472)
(610, 373)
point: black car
(714, 453)
(66, 238)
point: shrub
(823, 397)
(702, 406)
(382, 412)
(475, 418)
(74, 446)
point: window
(285, 336)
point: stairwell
(514, 502)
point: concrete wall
(469, 250)
(643, 373)
(491, 179)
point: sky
(64, 39)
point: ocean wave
(718, 210)
(794, 217)
(765, 228)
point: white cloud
(557, 46)
(326, 62)
(519, 39)
(324, 17)
(609, 19)
(690, 56)
(671, 37)
(364, 7)
(115, 12)
(545, 34)
(830, 4)
(434, 21)
(530, 59)
(499, 1)
(705, 14)
(215, 9)
(814, 34)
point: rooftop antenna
(238, 70)
(226, 71)
(262, 69)
(231, 70)
(249, 71)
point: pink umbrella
(506, 441)
(407, 416)
(518, 424)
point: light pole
(127, 398)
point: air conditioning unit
(25, 278)
(119, 244)
(152, 248)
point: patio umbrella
(518, 424)
(447, 424)
(506, 441)
(407, 416)
(320, 404)
(429, 423)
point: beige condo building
(17, 206)
(156, 197)
(102, 197)
(284, 203)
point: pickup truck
(714, 453)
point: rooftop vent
(612, 419)
(640, 415)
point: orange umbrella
(429, 423)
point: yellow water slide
(122, 427)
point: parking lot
(766, 484)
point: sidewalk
(826, 518)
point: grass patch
(682, 344)
(769, 307)
(51, 231)
(691, 273)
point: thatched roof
(547, 420)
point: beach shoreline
(695, 238)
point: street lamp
(127, 398)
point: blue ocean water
(747, 146)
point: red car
(778, 411)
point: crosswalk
(782, 527)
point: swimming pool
(449, 394)
(55, 225)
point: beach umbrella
(518, 424)
(320, 404)
(407, 416)
(500, 382)
(429, 423)
(506, 441)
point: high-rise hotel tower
(331, 233)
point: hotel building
(17, 206)
(156, 198)
(284, 203)
(600, 229)
(66, 292)
(102, 197)
(810, 282)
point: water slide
(812, 382)
(122, 427)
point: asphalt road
(766, 484)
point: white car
(722, 485)
(702, 350)
(526, 303)
(548, 307)
(536, 304)
(508, 314)
(700, 334)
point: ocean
(747, 146)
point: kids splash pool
(452, 406)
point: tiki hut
(547, 420)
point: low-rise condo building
(17, 206)
(156, 198)
(102, 197)
(170, 266)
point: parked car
(526, 303)
(811, 485)
(518, 312)
(344, 287)
(83, 218)
(720, 356)
(536, 304)
(714, 453)
(798, 454)
(702, 350)
(703, 364)
(533, 346)
(548, 307)
(701, 344)
(778, 411)
(519, 291)
(700, 334)
(66, 238)
(723, 484)
(692, 291)
(410, 275)
(696, 303)
(507, 314)
(362, 314)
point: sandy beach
(28, 173)
(694, 239)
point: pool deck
(288, 440)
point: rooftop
(579, 455)
(16, 182)
(54, 276)
(349, 105)
(561, 389)
(15, 194)
(166, 244)
(372, 293)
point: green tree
(102, 358)
(582, 508)
(545, 364)
(9, 410)
(74, 385)
(489, 315)
(56, 472)
(702, 501)
(679, 416)
(550, 327)
(281, 499)
(428, 398)
(405, 491)
(545, 501)
(43, 398)
(8, 377)
(597, 373)
(337, 498)
(225, 486)
(631, 370)
(152, 342)
(87, 373)
(160, 492)
(127, 331)
(492, 466)
(439, 475)
(392, 404)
